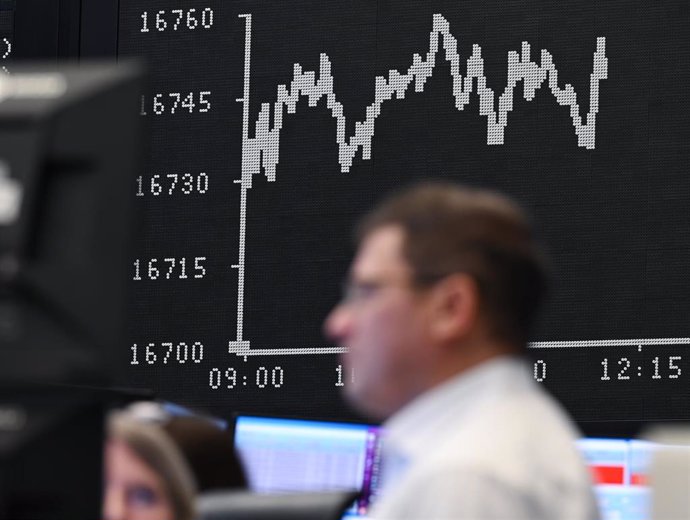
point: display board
(276, 124)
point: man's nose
(338, 323)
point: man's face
(382, 323)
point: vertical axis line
(240, 266)
(245, 181)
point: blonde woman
(155, 464)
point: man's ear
(454, 308)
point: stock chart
(275, 125)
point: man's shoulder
(510, 440)
(513, 452)
(462, 490)
(511, 417)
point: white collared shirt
(487, 444)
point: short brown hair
(450, 229)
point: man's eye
(357, 291)
(142, 496)
(366, 290)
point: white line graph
(262, 150)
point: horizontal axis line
(609, 343)
(246, 351)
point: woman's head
(155, 468)
(146, 476)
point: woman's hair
(190, 454)
(158, 451)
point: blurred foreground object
(295, 506)
(670, 472)
(69, 148)
(50, 454)
(69, 141)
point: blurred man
(435, 316)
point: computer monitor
(282, 455)
(620, 470)
(69, 152)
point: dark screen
(276, 124)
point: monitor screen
(292, 455)
(620, 469)
(283, 455)
(275, 125)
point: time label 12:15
(623, 369)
